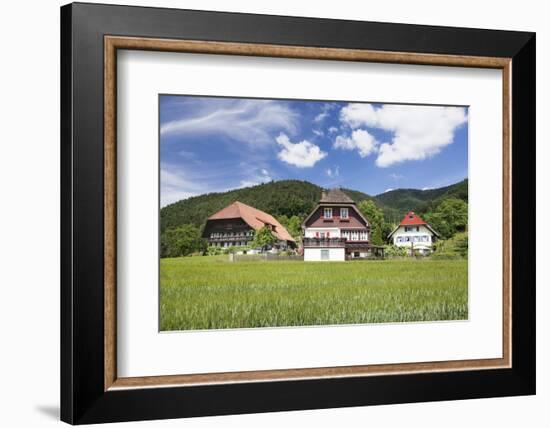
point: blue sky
(213, 144)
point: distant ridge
(295, 197)
(405, 200)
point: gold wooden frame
(112, 43)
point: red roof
(411, 219)
(253, 217)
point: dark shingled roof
(335, 196)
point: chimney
(323, 194)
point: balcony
(231, 238)
(324, 242)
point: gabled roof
(255, 218)
(411, 219)
(338, 197)
(335, 196)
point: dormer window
(344, 213)
(328, 213)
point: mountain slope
(288, 197)
(294, 197)
(421, 201)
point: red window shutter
(317, 234)
(328, 234)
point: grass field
(213, 293)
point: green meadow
(213, 293)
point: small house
(415, 234)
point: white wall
(422, 231)
(310, 232)
(29, 165)
(314, 254)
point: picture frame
(91, 391)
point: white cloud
(396, 176)
(174, 187)
(427, 188)
(249, 121)
(187, 154)
(325, 108)
(333, 172)
(419, 132)
(262, 177)
(333, 129)
(303, 154)
(359, 140)
(388, 190)
(320, 117)
(318, 132)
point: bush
(453, 248)
(395, 251)
(214, 251)
(181, 241)
(234, 250)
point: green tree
(283, 219)
(455, 247)
(263, 238)
(293, 225)
(181, 241)
(295, 228)
(376, 218)
(449, 217)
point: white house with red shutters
(336, 230)
(414, 233)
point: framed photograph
(265, 213)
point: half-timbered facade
(336, 229)
(235, 225)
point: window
(407, 228)
(324, 254)
(322, 235)
(328, 212)
(344, 213)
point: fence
(263, 257)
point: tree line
(448, 218)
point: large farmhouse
(336, 230)
(414, 233)
(235, 226)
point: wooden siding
(354, 220)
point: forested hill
(294, 197)
(287, 197)
(422, 201)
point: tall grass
(212, 293)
